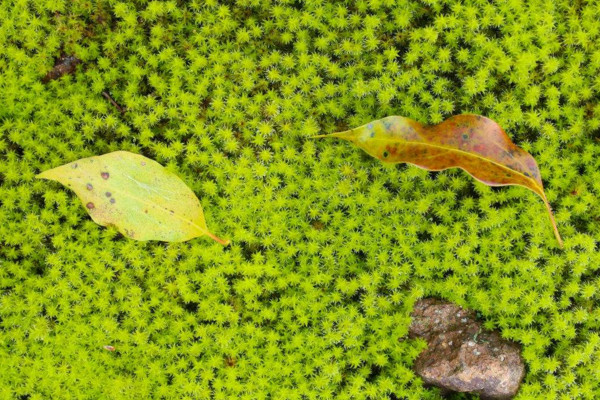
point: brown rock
(461, 356)
(64, 65)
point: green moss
(331, 248)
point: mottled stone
(461, 356)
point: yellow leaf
(137, 195)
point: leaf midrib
(474, 155)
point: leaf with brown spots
(137, 195)
(473, 143)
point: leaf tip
(321, 136)
(342, 135)
(43, 175)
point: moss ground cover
(330, 248)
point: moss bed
(330, 248)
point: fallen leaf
(109, 348)
(137, 195)
(473, 143)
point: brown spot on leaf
(108, 194)
(89, 186)
(112, 200)
(104, 175)
(90, 206)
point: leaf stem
(553, 221)
(217, 239)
